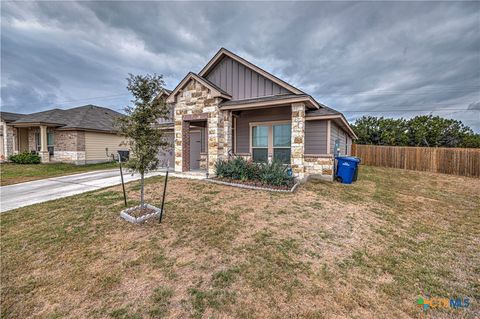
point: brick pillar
(298, 139)
(178, 141)
(185, 146)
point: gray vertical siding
(345, 140)
(241, 82)
(316, 137)
(259, 115)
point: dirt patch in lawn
(327, 251)
(254, 183)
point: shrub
(240, 169)
(25, 158)
(274, 174)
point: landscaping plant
(25, 158)
(138, 126)
(274, 174)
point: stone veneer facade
(319, 166)
(195, 102)
(298, 139)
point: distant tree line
(428, 131)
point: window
(50, 142)
(37, 141)
(260, 143)
(281, 143)
(271, 140)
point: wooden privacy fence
(456, 161)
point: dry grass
(328, 251)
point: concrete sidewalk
(24, 194)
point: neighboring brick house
(80, 135)
(233, 107)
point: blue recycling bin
(346, 168)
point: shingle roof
(9, 116)
(88, 117)
(325, 110)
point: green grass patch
(18, 173)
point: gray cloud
(392, 59)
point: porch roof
(271, 101)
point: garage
(165, 156)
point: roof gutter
(309, 101)
(28, 124)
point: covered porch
(270, 129)
(37, 137)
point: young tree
(138, 127)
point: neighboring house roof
(87, 117)
(216, 91)
(224, 52)
(9, 116)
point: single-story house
(233, 107)
(79, 135)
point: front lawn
(366, 250)
(18, 173)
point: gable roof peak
(217, 92)
(224, 52)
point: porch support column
(185, 146)
(298, 139)
(227, 125)
(216, 136)
(44, 156)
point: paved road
(24, 194)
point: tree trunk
(142, 202)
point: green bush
(25, 158)
(274, 174)
(238, 168)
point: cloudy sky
(362, 58)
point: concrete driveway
(24, 194)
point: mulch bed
(139, 212)
(255, 183)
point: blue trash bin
(346, 167)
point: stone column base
(44, 156)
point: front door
(22, 140)
(195, 148)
